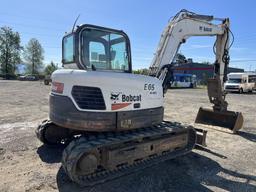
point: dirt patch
(228, 164)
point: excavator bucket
(228, 119)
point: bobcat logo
(115, 96)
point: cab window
(97, 55)
(104, 50)
(118, 53)
(68, 49)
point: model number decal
(149, 87)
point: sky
(142, 20)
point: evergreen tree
(49, 69)
(34, 56)
(9, 50)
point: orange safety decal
(116, 106)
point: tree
(9, 50)
(141, 71)
(206, 62)
(33, 55)
(180, 58)
(49, 69)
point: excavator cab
(97, 48)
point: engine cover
(105, 101)
(119, 91)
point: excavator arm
(187, 24)
(184, 25)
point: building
(202, 71)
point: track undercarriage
(91, 158)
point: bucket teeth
(227, 119)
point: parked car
(8, 76)
(28, 78)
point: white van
(241, 82)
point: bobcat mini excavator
(112, 120)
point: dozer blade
(228, 119)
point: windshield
(234, 80)
(104, 50)
(185, 79)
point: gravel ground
(228, 163)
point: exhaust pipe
(227, 119)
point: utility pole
(6, 57)
(33, 64)
(6, 64)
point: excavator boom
(184, 25)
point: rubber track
(77, 147)
(40, 132)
